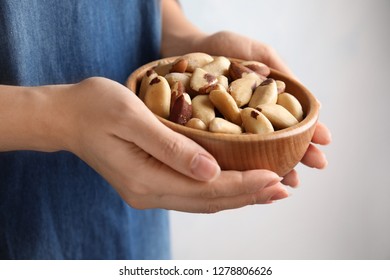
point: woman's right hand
(148, 164)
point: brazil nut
(219, 66)
(219, 125)
(255, 122)
(196, 124)
(219, 95)
(291, 103)
(202, 81)
(158, 97)
(241, 90)
(197, 60)
(225, 104)
(279, 116)
(150, 75)
(265, 93)
(181, 111)
(203, 109)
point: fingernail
(329, 138)
(325, 162)
(279, 195)
(204, 168)
(273, 182)
(322, 164)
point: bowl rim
(309, 120)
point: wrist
(57, 121)
(179, 35)
(32, 119)
(225, 43)
(179, 44)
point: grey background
(340, 50)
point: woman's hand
(248, 49)
(181, 36)
(108, 127)
(147, 163)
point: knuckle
(212, 207)
(131, 189)
(243, 182)
(242, 185)
(252, 199)
(137, 204)
(139, 189)
(210, 192)
(137, 201)
(172, 147)
(95, 82)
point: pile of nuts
(219, 95)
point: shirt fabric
(53, 205)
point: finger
(314, 158)
(165, 180)
(180, 153)
(155, 178)
(276, 62)
(269, 56)
(171, 148)
(321, 135)
(167, 188)
(204, 205)
(291, 179)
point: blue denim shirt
(53, 205)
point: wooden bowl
(279, 151)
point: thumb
(174, 149)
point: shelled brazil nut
(219, 95)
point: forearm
(30, 118)
(179, 35)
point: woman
(82, 159)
